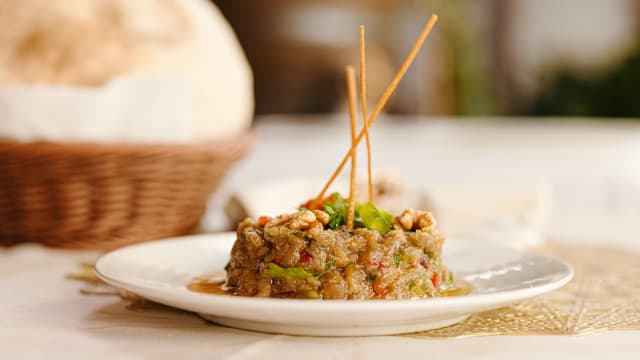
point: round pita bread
(89, 42)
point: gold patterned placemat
(603, 295)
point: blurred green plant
(471, 79)
(613, 93)
(466, 50)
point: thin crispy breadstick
(383, 100)
(351, 87)
(363, 103)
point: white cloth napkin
(136, 110)
(513, 214)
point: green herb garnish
(372, 277)
(274, 271)
(396, 259)
(337, 209)
(308, 239)
(331, 262)
(367, 215)
(329, 265)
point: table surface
(592, 167)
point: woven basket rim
(90, 148)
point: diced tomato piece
(309, 205)
(278, 261)
(377, 263)
(318, 205)
(305, 257)
(435, 280)
(264, 220)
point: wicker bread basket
(106, 196)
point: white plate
(160, 271)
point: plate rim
(340, 306)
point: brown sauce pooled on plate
(205, 285)
(460, 288)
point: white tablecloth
(593, 169)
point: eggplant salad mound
(312, 254)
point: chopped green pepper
(416, 289)
(275, 271)
(423, 276)
(373, 218)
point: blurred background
(519, 94)
(486, 57)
